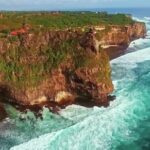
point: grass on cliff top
(22, 68)
(60, 20)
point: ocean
(125, 124)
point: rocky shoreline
(52, 106)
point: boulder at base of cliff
(64, 98)
(39, 100)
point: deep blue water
(124, 125)
(138, 12)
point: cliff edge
(62, 67)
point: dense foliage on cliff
(27, 67)
(60, 20)
(23, 67)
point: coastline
(113, 52)
(93, 77)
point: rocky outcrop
(68, 66)
(124, 35)
(118, 38)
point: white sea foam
(140, 20)
(147, 18)
(138, 45)
(94, 132)
(133, 58)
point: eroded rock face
(116, 41)
(64, 98)
(124, 35)
(84, 74)
(137, 30)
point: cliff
(62, 67)
(118, 38)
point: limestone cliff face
(124, 35)
(117, 38)
(68, 65)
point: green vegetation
(60, 20)
(25, 67)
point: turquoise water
(124, 125)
